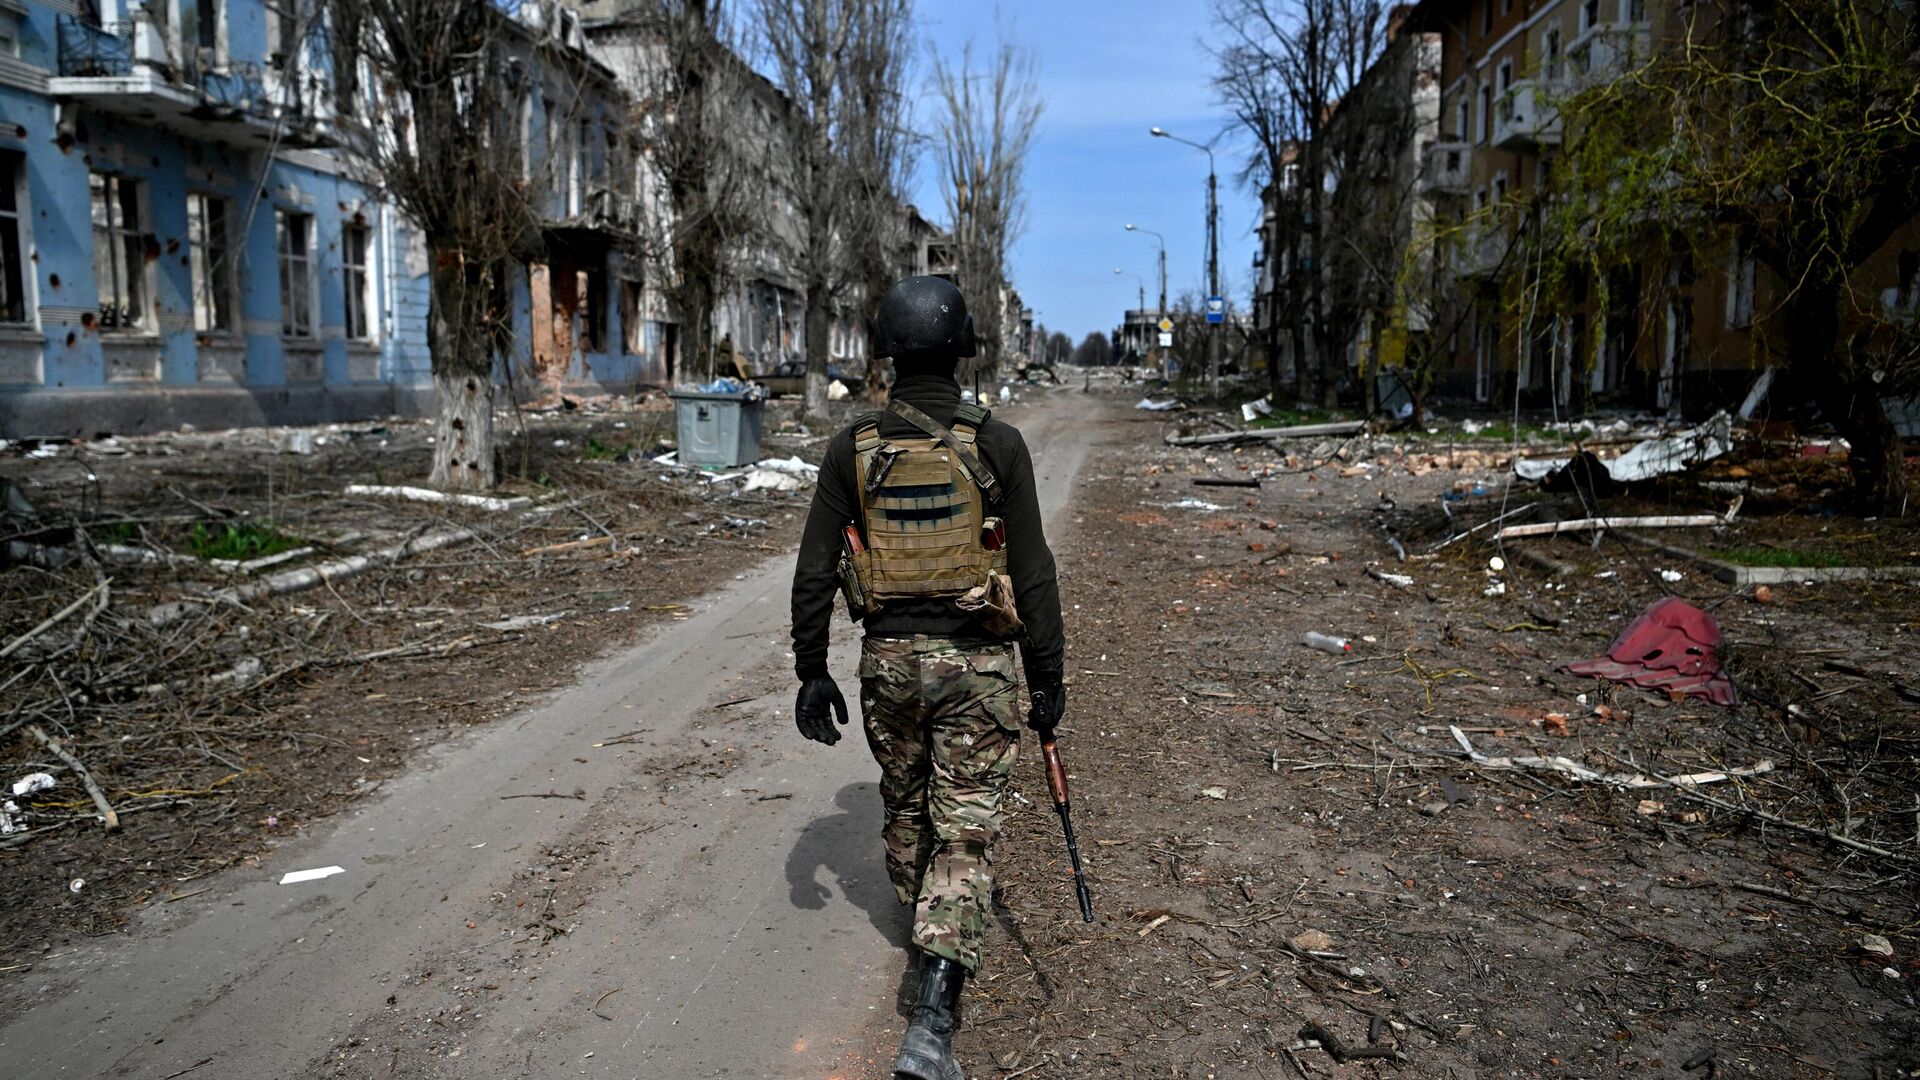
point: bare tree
(984, 137)
(438, 129)
(1248, 80)
(842, 64)
(1316, 51)
(705, 157)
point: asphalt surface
(743, 935)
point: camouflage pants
(943, 720)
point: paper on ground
(297, 876)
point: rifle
(1057, 787)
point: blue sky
(1107, 73)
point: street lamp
(1162, 241)
(1213, 252)
(1143, 287)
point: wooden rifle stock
(1057, 787)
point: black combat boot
(927, 1051)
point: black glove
(1048, 690)
(810, 708)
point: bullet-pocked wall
(179, 245)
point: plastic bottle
(1327, 643)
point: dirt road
(648, 876)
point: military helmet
(924, 318)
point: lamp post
(1143, 304)
(1213, 253)
(1162, 241)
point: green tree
(1794, 130)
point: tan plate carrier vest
(923, 501)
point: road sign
(1166, 324)
(1166, 339)
(1216, 309)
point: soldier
(927, 517)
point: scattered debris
(1569, 767)
(1551, 528)
(308, 577)
(1214, 792)
(1655, 457)
(1876, 946)
(1672, 647)
(1298, 431)
(1326, 643)
(1398, 581)
(31, 783)
(417, 494)
(1226, 481)
(108, 815)
(522, 622)
(1162, 405)
(570, 545)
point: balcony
(1605, 51)
(134, 70)
(1526, 117)
(1445, 169)
(1478, 249)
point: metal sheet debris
(1655, 457)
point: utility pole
(1214, 329)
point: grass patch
(1798, 559)
(120, 532)
(238, 542)
(601, 451)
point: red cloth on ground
(1672, 647)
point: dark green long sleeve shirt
(836, 503)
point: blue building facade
(180, 244)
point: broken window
(119, 252)
(203, 27)
(211, 262)
(283, 34)
(296, 274)
(1741, 271)
(632, 325)
(593, 311)
(356, 246)
(13, 293)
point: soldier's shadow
(847, 845)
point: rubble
(1655, 457)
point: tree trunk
(819, 329)
(1274, 338)
(1849, 399)
(462, 375)
(1332, 359)
(697, 355)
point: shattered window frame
(293, 238)
(119, 251)
(210, 259)
(356, 277)
(13, 238)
